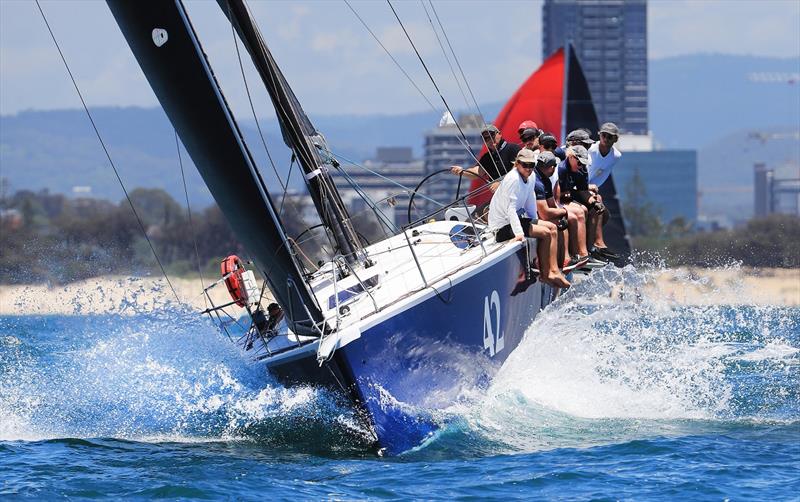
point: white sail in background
(447, 120)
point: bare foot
(559, 281)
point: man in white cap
(515, 195)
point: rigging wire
(444, 53)
(191, 221)
(455, 58)
(253, 109)
(455, 77)
(379, 175)
(425, 66)
(108, 155)
(399, 66)
(464, 142)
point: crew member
(530, 139)
(514, 195)
(574, 178)
(604, 155)
(496, 162)
(571, 224)
(525, 126)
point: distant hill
(696, 100)
(706, 102)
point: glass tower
(610, 39)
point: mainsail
(166, 47)
(557, 97)
(299, 133)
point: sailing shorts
(506, 233)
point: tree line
(48, 237)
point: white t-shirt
(512, 196)
(600, 167)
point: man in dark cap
(498, 159)
(569, 226)
(603, 156)
(530, 139)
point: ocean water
(620, 396)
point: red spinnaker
(541, 99)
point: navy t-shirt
(543, 188)
(570, 181)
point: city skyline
(333, 63)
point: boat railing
(459, 201)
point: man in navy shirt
(572, 228)
(574, 179)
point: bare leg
(547, 238)
(577, 228)
(601, 220)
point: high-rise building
(665, 179)
(386, 180)
(610, 38)
(444, 147)
(774, 194)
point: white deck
(400, 284)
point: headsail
(299, 133)
(164, 43)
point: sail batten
(183, 81)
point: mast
(299, 133)
(166, 47)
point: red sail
(541, 99)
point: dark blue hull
(424, 357)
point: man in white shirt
(604, 155)
(515, 195)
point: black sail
(166, 47)
(579, 113)
(299, 133)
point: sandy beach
(130, 295)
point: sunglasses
(527, 165)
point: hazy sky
(332, 62)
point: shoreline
(134, 295)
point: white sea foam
(613, 358)
(165, 376)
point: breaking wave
(613, 359)
(164, 376)
(616, 359)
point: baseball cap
(490, 129)
(526, 155)
(547, 140)
(610, 128)
(529, 134)
(546, 159)
(580, 153)
(580, 136)
(528, 124)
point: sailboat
(399, 327)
